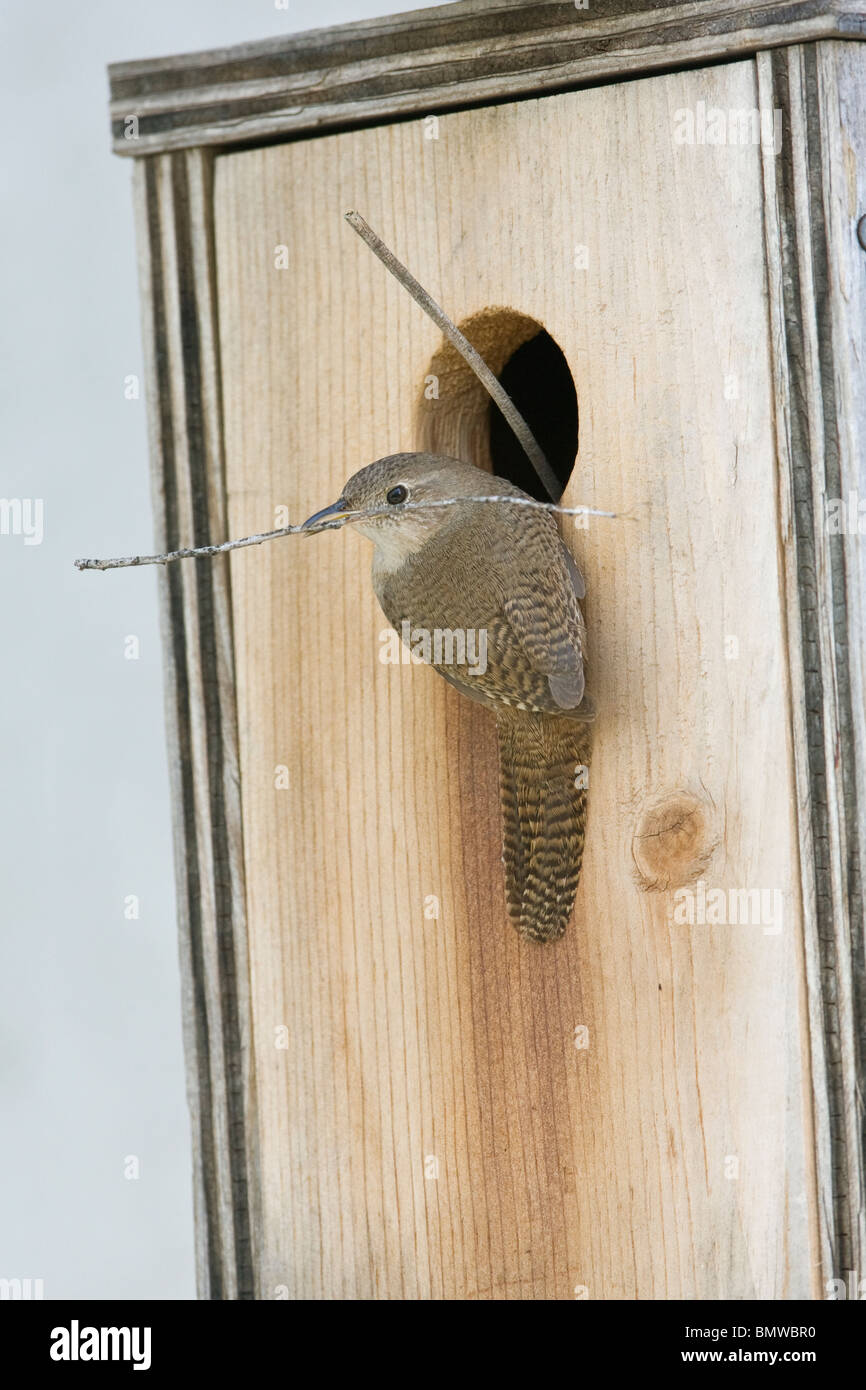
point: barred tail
(543, 772)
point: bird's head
(394, 488)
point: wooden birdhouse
(646, 220)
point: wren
(502, 570)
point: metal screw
(861, 231)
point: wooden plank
(426, 1126)
(174, 202)
(436, 59)
(817, 273)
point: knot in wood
(673, 841)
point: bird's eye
(397, 494)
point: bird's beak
(328, 518)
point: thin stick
(192, 553)
(202, 551)
(531, 448)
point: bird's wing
(545, 616)
(515, 587)
(576, 576)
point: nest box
(646, 219)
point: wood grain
(175, 241)
(672, 1156)
(814, 195)
(436, 59)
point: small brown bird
(497, 585)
